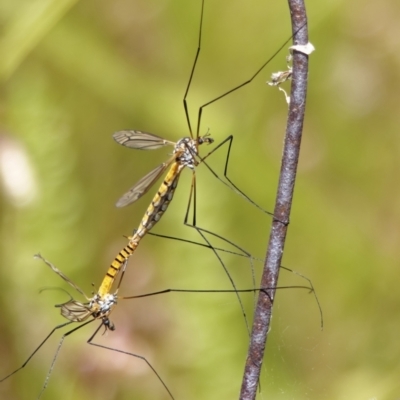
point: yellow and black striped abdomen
(160, 201)
(115, 267)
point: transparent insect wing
(75, 311)
(140, 140)
(144, 184)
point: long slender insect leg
(199, 230)
(192, 71)
(194, 225)
(123, 268)
(61, 275)
(37, 349)
(255, 290)
(244, 253)
(194, 191)
(129, 354)
(233, 186)
(190, 197)
(202, 232)
(246, 82)
(46, 381)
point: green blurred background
(74, 72)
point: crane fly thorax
(98, 308)
(186, 150)
(102, 306)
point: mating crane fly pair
(98, 307)
(101, 304)
(185, 154)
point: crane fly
(100, 306)
(185, 154)
(95, 308)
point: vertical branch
(283, 204)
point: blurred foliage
(74, 72)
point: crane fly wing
(143, 185)
(75, 311)
(140, 140)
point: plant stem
(291, 151)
